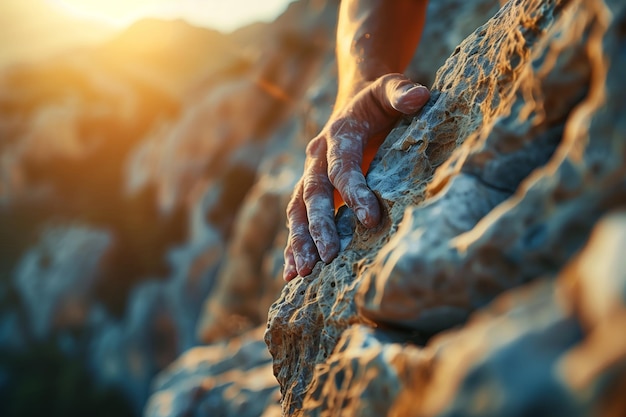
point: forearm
(375, 37)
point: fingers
(350, 182)
(319, 201)
(311, 217)
(334, 160)
(374, 111)
(289, 271)
(345, 154)
(301, 249)
(410, 99)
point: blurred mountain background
(129, 159)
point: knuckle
(311, 190)
(335, 127)
(293, 208)
(349, 128)
(340, 172)
(335, 171)
(314, 186)
(300, 238)
(348, 154)
(295, 204)
(316, 147)
(321, 227)
(384, 80)
(378, 87)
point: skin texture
(375, 42)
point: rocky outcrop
(224, 379)
(497, 182)
(533, 351)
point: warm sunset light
(217, 14)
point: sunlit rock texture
(496, 184)
(223, 379)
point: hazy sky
(223, 15)
(35, 29)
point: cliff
(470, 298)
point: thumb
(404, 95)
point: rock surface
(497, 182)
(224, 379)
(533, 351)
(238, 297)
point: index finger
(345, 154)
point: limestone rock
(231, 378)
(533, 351)
(449, 22)
(498, 181)
(485, 170)
(235, 299)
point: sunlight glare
(216, 14)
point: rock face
(534, 351)
(497, 182)
(224, 379)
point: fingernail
(409, 87)
(289, 273)
(423, 90)
(321, 249)
(299, 262)
(401, 92)
(327, 252)
(413, 87)
(410, 93)
(419, 90)
(361, 214)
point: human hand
(333, 161)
